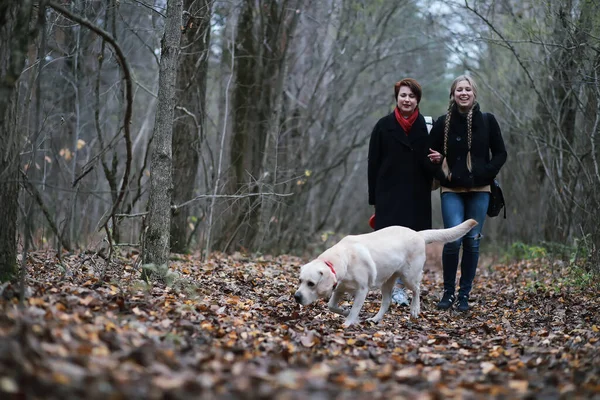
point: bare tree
(15, 19)
(264, 34)
(539, 64)
(311, 78)
(119, 196)
(156, 240)
(337, 91)
(244, 112)
(189, 125)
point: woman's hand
(434, 156)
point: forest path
(229, 328)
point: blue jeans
(456, 208)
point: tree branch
(208, 196)
(129, 95)
(38, 199)
(542, 99)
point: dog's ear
(325, 285)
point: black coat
(484, 167)
(399, 180)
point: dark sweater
(485, 166)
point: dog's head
(316, 281)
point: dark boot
(463, 303)
(447, 301)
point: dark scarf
(406, 123)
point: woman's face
(464, 97)
(407, 101)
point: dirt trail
(229, 328)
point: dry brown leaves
(229, 328)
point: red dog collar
(330, 265)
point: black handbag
(496, 200)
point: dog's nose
(298, 297)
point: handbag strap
(486, 124)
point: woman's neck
(406, 116)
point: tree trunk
(156, 240)
(261, 47)
(244, 95)
(15, 16)
(282, 31)
(188, 127)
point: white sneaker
(399, 296)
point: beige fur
(372, 260)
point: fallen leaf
(308, 339)
(487, 367)
(8, 385)
(520, 386)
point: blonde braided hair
(469, 138)
(447, 127)
(445, 167)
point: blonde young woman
(473, 149)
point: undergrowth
(571, 266)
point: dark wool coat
(485, 140)
(399, 180)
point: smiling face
(464, 95)
(407, 101)
(316, 281)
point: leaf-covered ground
(228, 327)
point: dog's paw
(374, 320)
(348, 324)
(341, 311)
(415, 311)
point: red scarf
(406, 123)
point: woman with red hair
(399, 173)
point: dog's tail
(448, 235)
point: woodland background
(267, 108)
(233, 131)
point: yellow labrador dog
(373, 260)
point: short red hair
(410, 83)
